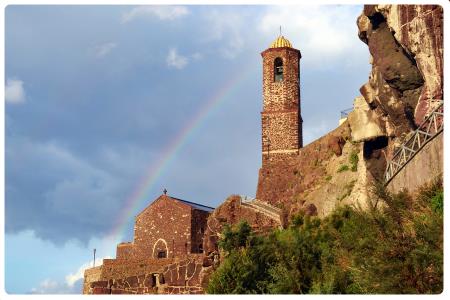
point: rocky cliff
(406, 53)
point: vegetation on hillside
(396, 246)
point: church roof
(194, 205)
(281, 41)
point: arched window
(278, 69)
(160, 249)
(162, 254)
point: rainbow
(155, 170)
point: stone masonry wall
(157, 276)
(283, 95)
(124, 250)
(280, 118)
(91, 275)
(152, 233)
(198, 225)
(283, 178)
(280, 131)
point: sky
(105, 106)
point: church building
(168, 228)
(167, 252)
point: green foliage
(342, 168)
(437, 202)
(394, 247)
(328, 178)
(353, 160)
(233, 239)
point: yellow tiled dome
(280, 42)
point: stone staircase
(263, 208)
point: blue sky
(94, 94)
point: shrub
(394, 248)
(342, 168)
(353, 160)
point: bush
(392, 248)
(353, 160)
(342, 168)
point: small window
(162, 254)
(278, 69)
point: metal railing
(246, 199)
(345, 112)
(430, 127)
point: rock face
(366, 124)
(406, 47)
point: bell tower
(280, 117)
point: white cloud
(227, 27)
(314, 131)
(71, 284)
(45, 286)
(197, 56)
(175, 60)
(50, 286)
(104, 49)
(323, 33)
(166, 12)
(72, 278)
(14, 91)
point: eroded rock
(364, 122)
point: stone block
(195, 280)
(190, 269)
(182, 272)
(132, 281)
(141, 279)
(118, 291)
(100, 291)
(149, 281)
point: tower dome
(280, 42)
